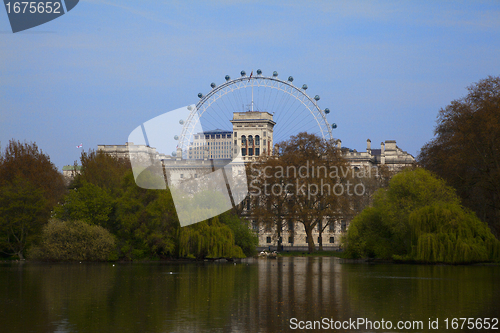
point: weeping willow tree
(419, 218)
(450, 234)
(208, 239)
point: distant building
(253, 132)
(216, 144)
(70, 171)
(389, 155)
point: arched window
(243, 140)
(257, 140)
(250, 139)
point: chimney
(382, 153)
(339, 144)
(369, 146)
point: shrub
(74, 240)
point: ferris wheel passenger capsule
(243, 73)
(275, 74)
(174, 154)
(327, 110)
(304, 86)
(316, 97)
(259, 72)
(213, 85)
(176, 137)
(334, 126)
(181, 122)
(228, 78)
(290, 78)
(200, 95)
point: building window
(250, 139)
(229, 135)
(343, 225)
(182, 175)
(257, 140)
(243, 152)
(332, 226)
(250, 151)
(268, 240)
(257, 151)
(264, 133)
(290, 240)
(207, 136)
(332, 240)
(320, 226)
(255, 225)
(243, 139)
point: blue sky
(384, 68)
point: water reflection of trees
(259, 297)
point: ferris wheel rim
(203, 100)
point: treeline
(101, 215)
(419, 217)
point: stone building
(253, 132)
(216, 144)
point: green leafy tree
(30, 186)
(27, 161)
(88, 203)
(465, 151)
(208, 239)
(243, 236)
(146, 222)
(23, 214)
(418, 217)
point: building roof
(71, 167)
(216, 131)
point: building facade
(253, 133)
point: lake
(254, 295)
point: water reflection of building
(303, 288)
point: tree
(144, 221)
(419, 217)
(466, 149)
(23, 214)
(103, 170)
(30, 186)
(306, 181)
(244, 237)
(27, 161)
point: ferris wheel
(293, 110)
